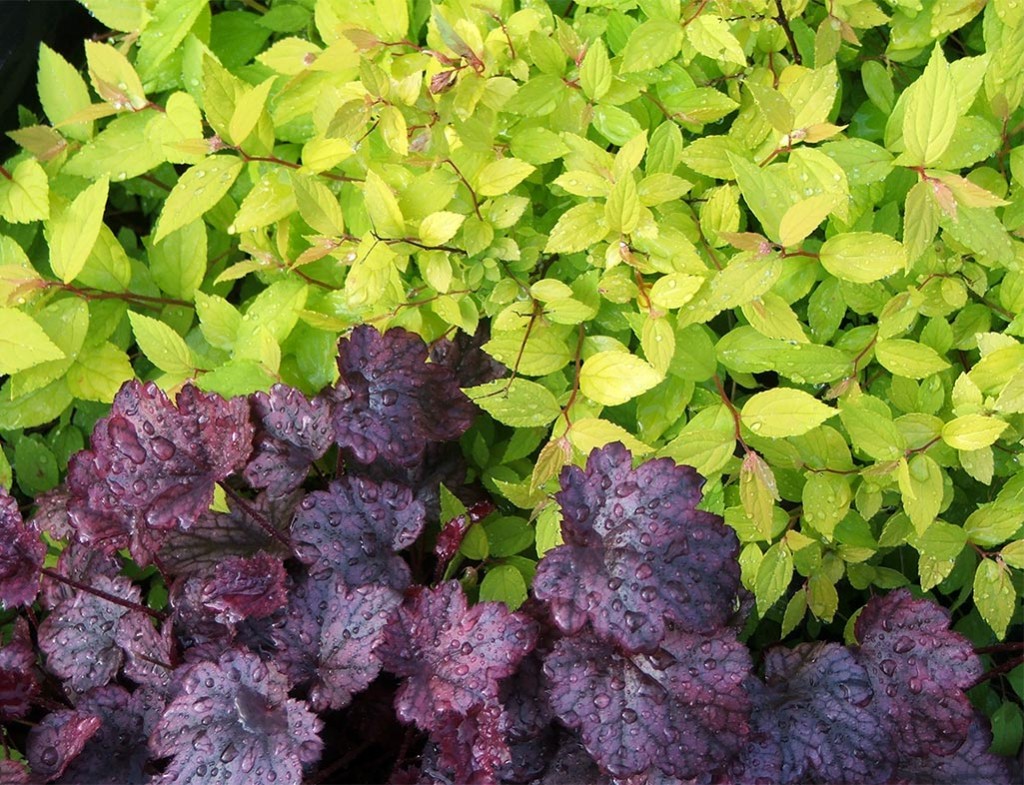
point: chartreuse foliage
(778, 242)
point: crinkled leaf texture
(918, 669)
(474, 748)
(637, 552)
(153, 465)
(232, 723)
(148, 650)
(243, 588)
(80, 563)
(118, 751)
(814, 721)
(971, 764)
(291, 433)
(21, 555)
(682, 709)
(19, 683)
(354, 529)
(80, 637)
(329, 636)
(57, 740)
(452, 656)
(389, 402)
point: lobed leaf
(21, 555)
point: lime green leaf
(826, 500)
(113, 77)
(73, 232)
(908, 358)
(474, 545)
(25, 196)
(318, 206)
(23, 343)
(218, 320)
(869, 423)
(931, 113)
(803, 218)
(62, 93)
(611, 377)
(171, 22)
(994, 595)
(972, 431)
(711, 36)
(796, 608)
(862, 257)
(773, 576)
(590, 433)
(508, 535)
(162, 346)
(1013, 554)
(98, 373)
(549, 529)
(822, 598)
(500, 177)
(270, 200)
(504, 583)
(622, 210)
(675, 290)
(577, 228)
(178, 262)
(658, 340)
(382, 206)
(124, 15)
(653, 43)
(784, 412)
(920, 220)
(920, 483)
(521, 403)
(236, 377)
(196, 192)
(440, 227)
(758, 493)
(595, 72)
(248, 110)
(35, 408)
(129, 146)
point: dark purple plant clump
(308, 636)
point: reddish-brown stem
(578, 362)
(783, 21)
(153, 181)
(1000, 647)
(89, 293)
(5, 173)
(465, 182)
(998, 670)
(256, 515)
(133, 606)
(732, 410)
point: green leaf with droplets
(196, 192)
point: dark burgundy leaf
(918, 668)
(355, 527)
(467, 360)
(80, 563)
(473, 747)
(148, 651)
(452, 656)
(51, 515)
(329, 635)
(57, 740)
(572, 764)
(80, 636)
(218, 536)
(818, 712)
(153, 465)
(117, 752)
(637, 552)
(13, 772)
(232, 723)
(971, 764)
(245, 588)
(524, 695)
(291, 433)
(389, 403)
(530, 757)
(682, 708)
(21, 555)
(19, 682)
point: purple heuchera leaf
(80, 636)
(682, 709)
(148, 651)
(153, 465)
(57, 740)
(452, 656)
(51, 515)
(14, 772)
(818, 714)
(329, 636)
(19, 683)
(389, 403)
(467, 359)
(637, 552)
(918, 668)
(572, 764)
(233, 722)
(473, 747)
(218, 536)
(971, 764)
(245, 588)
(21, 555)
(355, 527)
(291, 433)
(80, 563)
(118, 751)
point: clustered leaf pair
(287, 606)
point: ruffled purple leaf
(815, 721)
(291, 433)
(80, 636)
(452, 656)
(218, 536)
(524, 696)
(971, 764)
(354, 529)
(329, 636)
(473, 748)
(153, 465)
(571, 763)
(682, 709)
(51, 515)
(149, 652)
(466, 358)
(389, 402)
(245, 588)
(57, 740)
(118, 751)
(14, 772)
(19, 682)
(232, 723)
(918, 668)
(21, 555)
(637, 552)
(82, 564)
